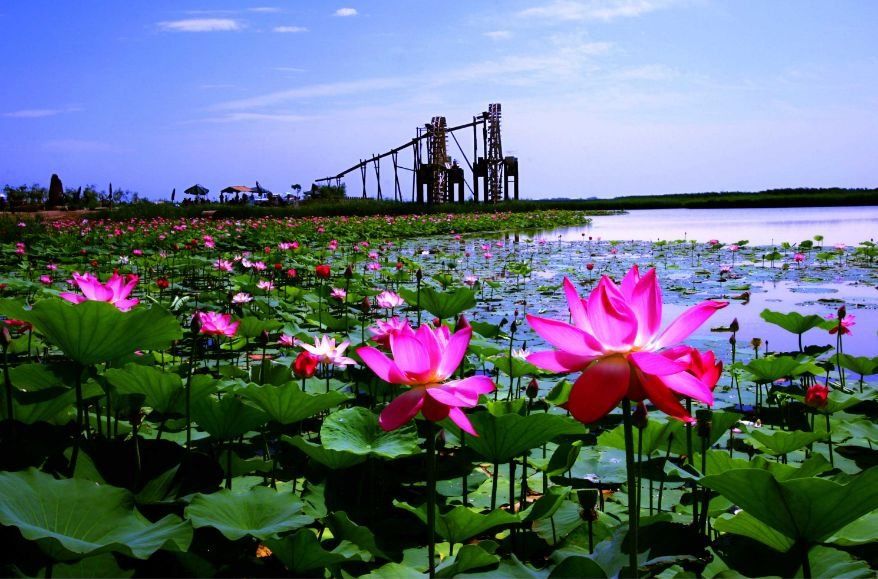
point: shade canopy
(197, 190)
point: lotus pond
(437, 395)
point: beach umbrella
(197, 190)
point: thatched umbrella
(197, 190)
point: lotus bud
(419, 275)
(588, 502)
(349, 272)
(195, 325)
(756, 343)
(365, 305)
(533, 388)
(5, 337)
(639, 416)
(732, 340)
(462, 323)
(513, 326)
(263, 338)
(704, 417)
(842, 312)
(734, 327)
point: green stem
(192, 360)
(431, 499)
(632, 499)
(10, 408)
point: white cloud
(38, 113)
(346, 12)
(290, 29)
(498, 34)
(288, 69)
(265, 9)
(314, 91)
(605, 10)
(256, 117)
(202, 25)
(33, 113)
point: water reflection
(760, 226)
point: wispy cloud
(498, 34)
(38, 113)
(289, 69)
(346, 12)
(314, 91)
(238, 117)
(290, 29)
(265, 9)
(606, 10)
(202, 25)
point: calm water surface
(849, 225)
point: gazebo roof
(237, 189)
(197, 190)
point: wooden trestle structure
(435, 178)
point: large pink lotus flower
(382, 330)
(423, 360)
(115, 291)
(217, 324)
(615, 341)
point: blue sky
(600, 97)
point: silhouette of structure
(436, 178)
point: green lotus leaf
(334, 459)
(746, 525)
(829, 562)
(502, 438)
(301, 552)
(227, 417)
(287, 404)
(73, 518)
(356, 430)
(862, 365)
(252, 327)
(862, 531)
(462, 523)
(162, 390)
(259, 512)
(93, 332)
(441, 304)
(103, 565)
(770, 368)
(782, 442)
(468, 558)
(343, 528)
(803, 509)
(793, 322)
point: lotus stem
(632, 499)
(431, 499)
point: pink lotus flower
(382, 330)
(389, 300)
(615, 341)
(847, 323)
(338, 294)
(223, 265)
(217, 324)
(423, 360)
(287, 340)
(115, 291)
(328, 353)
(241, 298)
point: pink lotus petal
(403, 408)
(125, 305)
(646, 301)
(688, 385)
(410, 355)
(378, 362)
(688, 322)
(433, 410)
(577, 308)
(559, 362)
(71, 297)
(613, 322)
(451, 397)
(454, 353)
(459, 418)
(565, 337)
(630, 281)
(662, 398)
(433, 344)
(601, 387)
(655, 364)
(474, 385)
